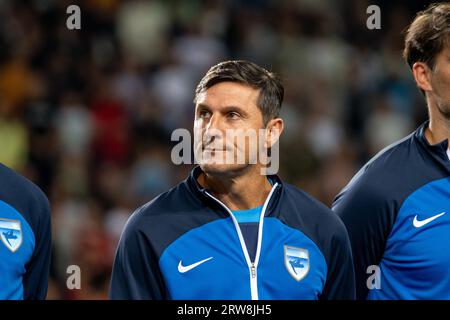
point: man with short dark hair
(397, 208)
(231, 230)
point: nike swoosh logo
(183, 269)
(421, 223)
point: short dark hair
(271, 90)
(427, 35)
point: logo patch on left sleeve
(11, 234)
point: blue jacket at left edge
(186, 244)
(25, 238)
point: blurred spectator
(13, 135)
(385, 126)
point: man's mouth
(211, 148)
(214, 150)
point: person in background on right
(397, 207)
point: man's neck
(242, 192)
(438, 129)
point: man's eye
(204, 114)
(233, 115)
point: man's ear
(274, 129)
(422, 75)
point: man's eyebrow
(203, 106)
(233, 108)
(226, 109)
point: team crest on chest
(296, 261)
(11, 234)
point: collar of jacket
(438, 151)
(200, 192)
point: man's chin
(222, 169)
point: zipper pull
(253, 270)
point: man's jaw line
(439, 127)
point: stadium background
(87, 114)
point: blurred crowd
(88, 114)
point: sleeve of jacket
(35, 279)
(340, 283)
(368, 217)
(136, 274)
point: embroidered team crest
(11, 234)
(296, 261)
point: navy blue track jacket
(397, 213)
(186, 244)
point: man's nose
(214, 128)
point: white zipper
(252, 266)
(254, 282)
